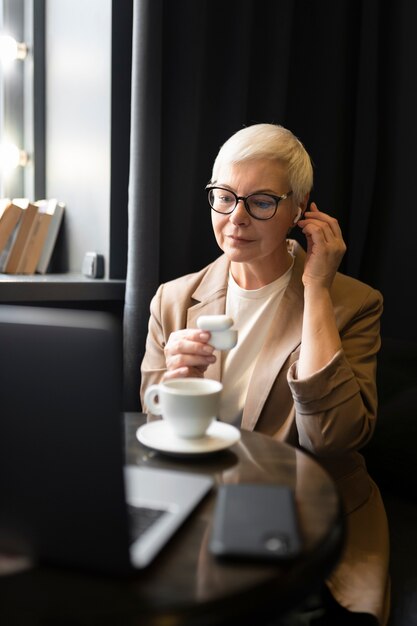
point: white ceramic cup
(188, 405)
(222, 336)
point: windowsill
(59, 287)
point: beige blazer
(330, 414)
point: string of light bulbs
(11, 156)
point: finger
(189, 360)
(187, 345)
(183, 372)
(329, 224)
(192, 334)
(316, 232)
(322, 239)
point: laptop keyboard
(141, 518)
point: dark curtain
(341, 74)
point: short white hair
(274, 142)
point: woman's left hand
(325, 247)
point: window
(69, 111)
(22, 98)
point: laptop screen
(61, 437)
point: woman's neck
(258, 274)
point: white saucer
(158, 436)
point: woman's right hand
(188, 354)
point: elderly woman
(303, 371)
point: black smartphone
(255, 521)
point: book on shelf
(4, 203)
(28, 233)
(57, 209)
(11, 262)
(32, 249)
(11, 217)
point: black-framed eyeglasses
(261, 206)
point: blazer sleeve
(336, 408)
(153, 365)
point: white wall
(78, 101)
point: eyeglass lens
(260, 205)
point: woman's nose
(240, 214)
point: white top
(252, 311)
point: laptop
(66, 496)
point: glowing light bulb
(10, 49)
(11, 157)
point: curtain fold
(365, 148)
(144, 189)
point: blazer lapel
(210, 299)
(283, 338)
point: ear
(298, 215)
(301, 208)
(300, 212)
